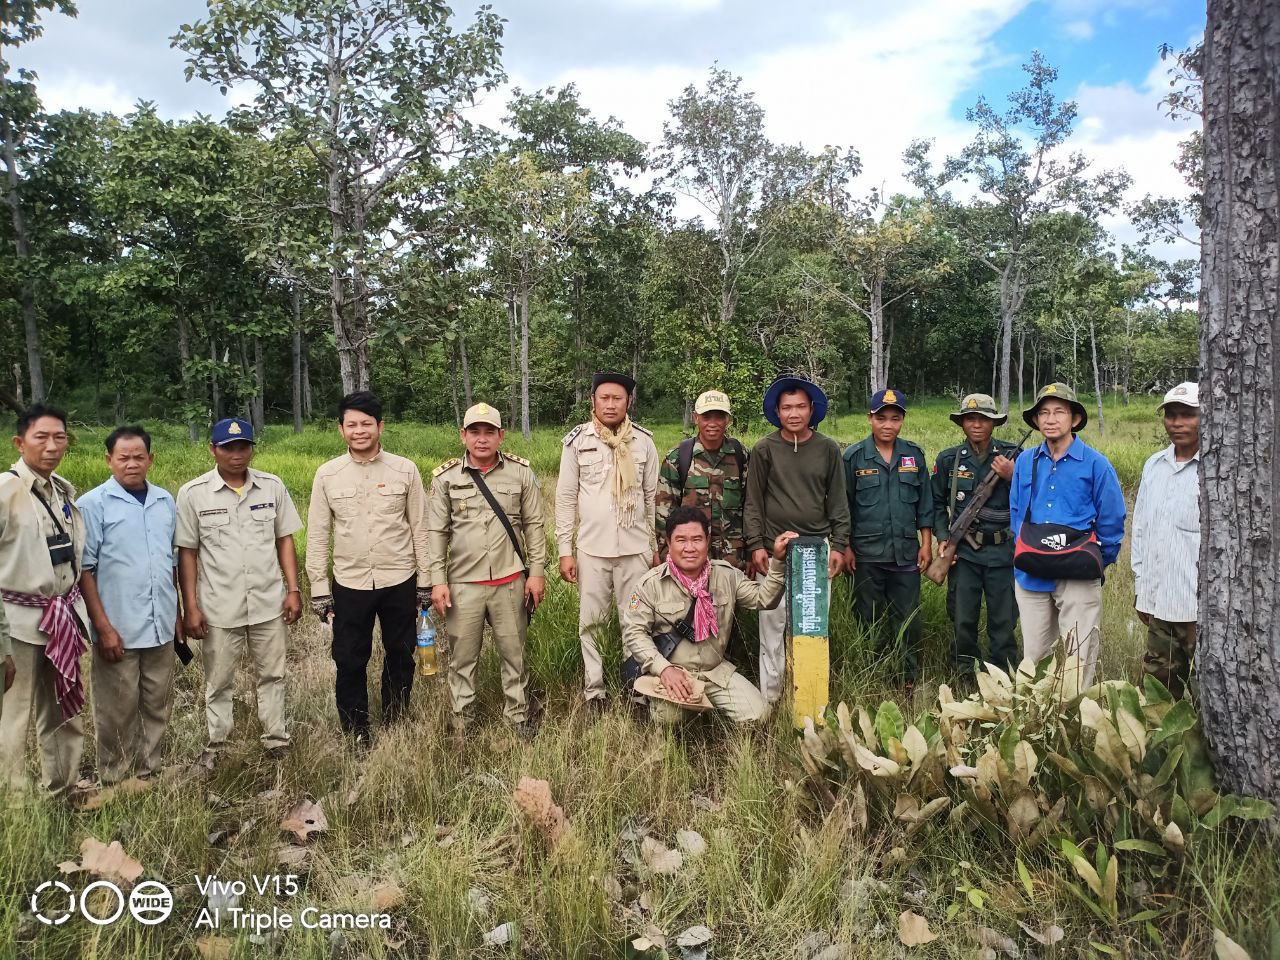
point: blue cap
(888, 398)
(231, 430)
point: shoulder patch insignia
(634, 602)
(445, 466)
(513, 457)
(568, 437)
(645, 431)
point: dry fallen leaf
(353, 795)
(533, 797)
(612, 887)
(291, 855)
(108, 861)
(694, 937)
(500, 935)
(997, 941)
(1224, 948)
(659, 857)
(913, 929)
(214, 948)
(1052, 934)
(94, 798)
(385, 896)
(651, 938)
(691, 842)
(478, 901)
(306, 818)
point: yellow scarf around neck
(624, 480)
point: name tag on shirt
(260, 506)
(871, 472)
(213, 513)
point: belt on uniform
(990, 538)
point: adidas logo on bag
(1055, 541)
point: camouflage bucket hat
(980, 404)
(1056, 391)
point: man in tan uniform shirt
(605, 493)
(370, 506)
(477, 573)
(30, 580)
(238, 569)
(659, 601)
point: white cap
(1187, 394)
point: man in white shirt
(1166, 542)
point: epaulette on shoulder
(646, 432)
(513, 457)
(445, 466)
(568, 437)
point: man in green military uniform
(485, 569)
(708, 471)
(891, 515)
(983, 565)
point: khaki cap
(1056, 391)
(711, 400)
(981, 404)
(652, 687)
(482, 413)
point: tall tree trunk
(19, 402)
(184, 363)
(259, 405)
(22, 246)
(513, 356)
(876, 318)
(1097, 378)
(525, 427)
(1238, 649)
(466, 365)
(1022, 363)
(295, 300)
(579, 371)
(308, 411)
(453, 387)
(215, 389)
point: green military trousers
(883, 601)
(967, 585)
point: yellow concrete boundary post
(808, 647)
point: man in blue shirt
(1076, 487)
(132, 598)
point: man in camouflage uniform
(709, 472)
(984, 559)
(478, 572)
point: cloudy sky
(863, 73)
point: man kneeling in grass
(686, 606)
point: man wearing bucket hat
(1066, 510)
(238, 570)
(687, 604)
(891, 520)
(708, 471)
(796, 482)
(604, 514)
(983, 565)
(1165, 545)
(486, 566)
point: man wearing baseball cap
(708, 471)
(891, 522)
(983, 565)
(486, 567)
(1064, 482)
(238, 569)
(796, 482)
(1165, 545)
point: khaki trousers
(773, 647)
(220, 651)
(502, 607)
(738, 700)
(1073, 608)
(131, 702)
(602, 581)
(61, 744)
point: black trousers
(353, 611)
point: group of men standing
(676, 545)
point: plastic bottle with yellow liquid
(426, 652)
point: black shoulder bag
(501, 514)
(666, 643)
(1052, 551)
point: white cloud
(1078, 29)
(70, 91)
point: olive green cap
(982, 405)
(1056, 391)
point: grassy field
(426, 826)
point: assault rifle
(937, 570)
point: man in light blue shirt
(132, 597)
(1075, 486)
